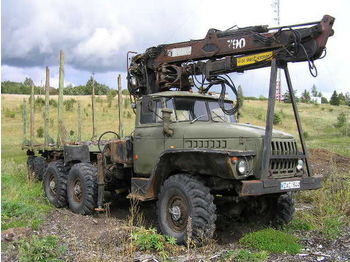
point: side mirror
(166, 114)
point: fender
(207, 162)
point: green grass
(40, 249)
(272, 241)
(243, 255)
(23, 202)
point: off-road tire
(55, 183)
(283, 211)
(82, 188)
(196, 202)
(39, 167)
(30, 165)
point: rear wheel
(82, 188)
(55, 183)
(39, 167)
(183, 199)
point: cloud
(95, 36)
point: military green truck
(188, 152)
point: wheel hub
(77, 191)
(52, 184)
(175, 213)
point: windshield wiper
(198, 117)
(218, 116)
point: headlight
(241, 167)
(300, 165)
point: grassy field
(24, 204)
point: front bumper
(271, 186)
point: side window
(151, 111)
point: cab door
(148, 136)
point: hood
(223, 130)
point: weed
(277, 119)
(243, 255)
(40, 132)
(330, 203)
(248, 256)
(69, 104)
(40, 249)
(150, 240)
(300, 224)
(272, 240)
(306, 134)
(53, 102)
(23, 203)
(332, 227)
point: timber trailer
(188, 151)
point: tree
(305, 97)
(28, 82)
(240, 95)
(334, 99)
(314, 91)
(341, 99)
(287, 98)
(324, 100)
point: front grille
(283, 167)
(205, 143)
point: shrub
(306, 135)
(40, 132)
(9, 113)
(53, 102)
(272, 240)
(277, 119)
(40, 249)
(39, 102)
(69, 104)
(150, 240)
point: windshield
(189, 109)
(217, 115)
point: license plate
(290, 185)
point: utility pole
(276, 9)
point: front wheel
(183, 199)
(82, 188)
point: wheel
(82, 188)
(30, 166)
(183, 198)
(55, 183)
(39, 167)
(284, 210)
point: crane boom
(220, 52)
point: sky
(96, 34)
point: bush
(53, 102)
(272, 240)
(69, 104)
(9, 113)
(40, 249)
(306, 135)
(277, 119)
(150, 240)
(40, 132)
(39, 102)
